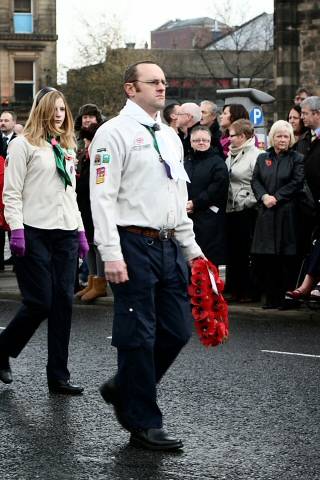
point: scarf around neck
(59, 156)
(167, 147)
(234, 151)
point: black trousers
(240, 227)
(152, 322)
(46, 278)
(313, 264)
(2, 245)
(278, 274)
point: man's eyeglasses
(200, 140)
(234, 135)
(155, 82)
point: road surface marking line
(291, 353)
(2, 328)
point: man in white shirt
(143, 233)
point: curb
(252, 310)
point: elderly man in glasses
(138, 198)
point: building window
(23, 81)
(22, 16)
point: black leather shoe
(110, 395)
(9, 261)
(66, 388)
(154, 439)
(5, 370)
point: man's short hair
(312, 102)
(212, 105)
(168, 110)
(13, 114)
(130, 74)
(303, 90)
(192, 109)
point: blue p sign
(256, 116)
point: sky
(137, 18)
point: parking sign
(256, 116)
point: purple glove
(83, 244)
(17, 242)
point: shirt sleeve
(106, 163)
(15, 173)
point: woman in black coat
(277, 180)
(207, 193)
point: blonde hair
(281, 125)
(40, 123)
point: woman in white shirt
(46, 234)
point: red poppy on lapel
(268, 162)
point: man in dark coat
(189, 115)
(310, 112)
(7, 124)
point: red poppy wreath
(209, 308)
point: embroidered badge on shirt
(97, 159)
(100, 175)
(106, 158)
(268, 162)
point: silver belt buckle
(164, 234)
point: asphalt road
(243, 413)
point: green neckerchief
(156, 146)
(59, 156)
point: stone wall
(297, 37)
(309, 25)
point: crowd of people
(139, 198)
(260, 219)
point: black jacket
(304, 142)
(281, 176)
(209, 187)
(4, 146)
(312, 170)
(83, 193)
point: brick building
(193, 75)
(186, 34)
(27, 51)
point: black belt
(163, 234)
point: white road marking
(291, 353)
(109, 338)
(2, 328)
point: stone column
(309, 19)
(286, 35)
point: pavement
(9, 290)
